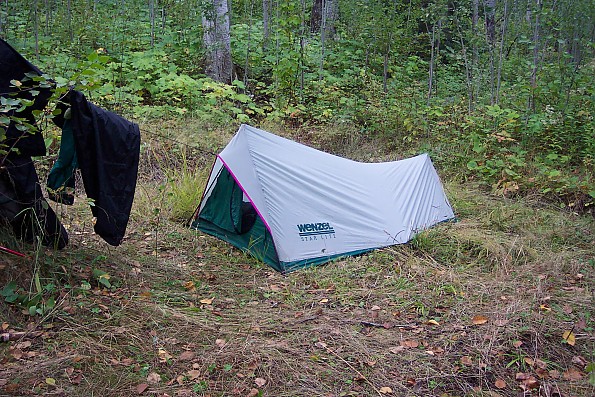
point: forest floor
(499, 303)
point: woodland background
(497, 91)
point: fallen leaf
(573, 374)
(580, 361)
(409, 343)
(164, 356)
(207, 301)
(298, 314)
(432, 322)
(545, 308)
(275, 288)
(23, 345)
(17, 354)
(567, 309)
(517, 343)
(260, 382)
(375, 308)
(12, 387)
(501, 322)
(396, 349)
(189, 286)
(542, 373)
(530, 383)
(50, 381)
(569, 337)
(466, 360)
(140, 389)
(521, 376)
(193, 374)
(3, 382)
(500, 384)
(385, 390)
(153, 377)
(529, 361)
(186, 355)
(323, 301)
(554, 374)
(5, 326)
(478, 320)
(253, 393)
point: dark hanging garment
(14, 67)
(30, 214)
(22, 199)
(107, 148)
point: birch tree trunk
(217, 41)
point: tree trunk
(2, 23)
(152, 7)
(475, 57)
(490, 20)
(536, 39)
(323, 17)
(316, 16)
(217, 41)
(501, 51)
(266, 17)
(36, 28)
(490, 24)
(69, 14)
(431, 66)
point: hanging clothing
(22, 198)
(107, 148)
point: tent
(293, 206)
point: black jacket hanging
(107, 147)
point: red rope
(8, 250)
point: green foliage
(38, 303)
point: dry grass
(190, 316)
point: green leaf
(9, 289)
(50, 304)
(472, 165)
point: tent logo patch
(314, 231)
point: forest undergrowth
(498, 303)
